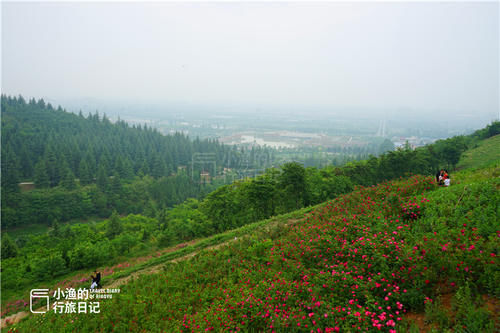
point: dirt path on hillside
(17, 317)
(157, 268)
(13, 319)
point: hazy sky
(381, 55)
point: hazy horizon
(287, 57)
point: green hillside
(82, 167)
(487, 151)
(345, 238)
(370, 260)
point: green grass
(487, 151)
(478, 174)
(32, 229)
(37, 229)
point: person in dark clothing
(93, 285)
(441, 177)
(97, 278)
(438, 173)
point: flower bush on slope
(358, 263)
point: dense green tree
(68, 180)
(115, 185)
(26, 163)
(85, 255)
(53, 166)
(102, 179)
(451, 154)
(49, 266)
(114, 227)
(224, 207)
(56, 229)
(145, 235)
(261, 194)
(41, 177)
(9, 247)
(124, 242)
(10, 171)
(158, 167)
(293, 181)
(84, 173)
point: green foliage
(68, 180)
(324, 184)
(292, 181)
(124, 242)
(114, 226)
(84, 173)
(470, 317)
(10, 170)
(258, 248)
(226, 207)
(489, 131)
(9, 247)
(48, 267)
(89, 255)
(102, 178)
(262, 196)
(185, 222)
(41, 177)
(56, 229)
(435, 313)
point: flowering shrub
(412, 210)
(358, 263)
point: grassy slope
(486, 152)
(239, 276)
